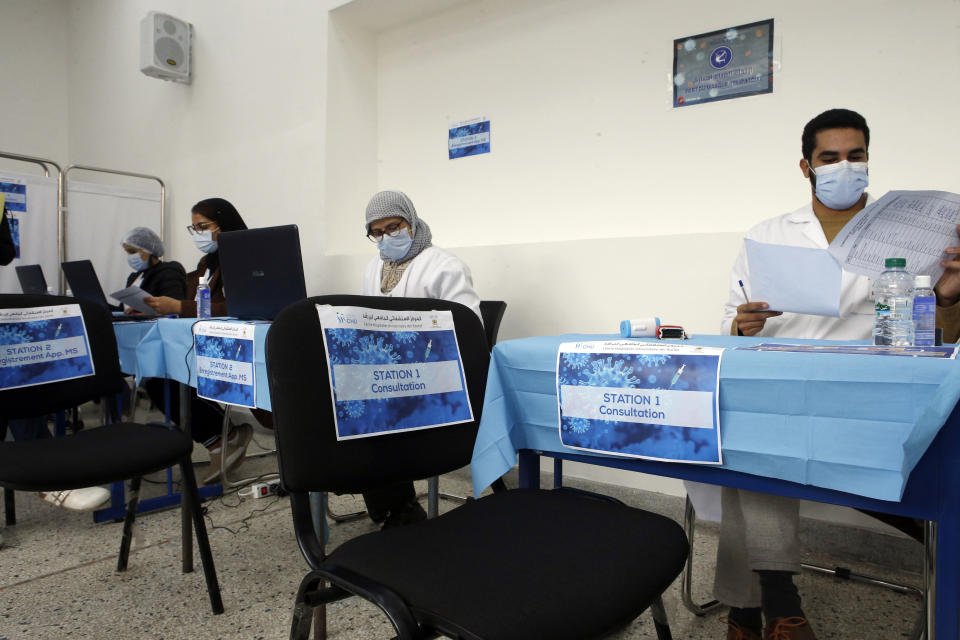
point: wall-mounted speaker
(166, 47)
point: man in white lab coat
(408, 265)
(759, 549)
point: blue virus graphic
(353, 408)
(373, 350)
(579, 425)
(607, 373)
(13, 334)
(404, 337)
(651, 379)
(410, 354)
(343, 337)
(209, 347)
(576, 360)
(649, 360)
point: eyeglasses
(200, 227)
(393, 229)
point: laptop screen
(83, 281)
(262, 271)
(31, 279)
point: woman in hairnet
(144, 255)
(408, 265)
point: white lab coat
(434, 273)
(801, 228)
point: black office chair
(526, 563)
(111, 453)
(492, 313)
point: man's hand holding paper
(795, 279)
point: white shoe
(86, 499)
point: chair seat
(91, 457)
(466, 572)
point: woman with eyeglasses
(408, 265)
(210, 217)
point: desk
(843, 429)
(160, 349)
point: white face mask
(840, 185)
(205, 242)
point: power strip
(266, 489)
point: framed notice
(14, 205)
(728, 63)
(640, 399)
(43, 344)
(468, 138)
(393, 371)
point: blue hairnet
(146, 239)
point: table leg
(529, 469)
(186, 526)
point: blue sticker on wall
(640, 399)
(14, 198)
(225, 371)
(469, 138)
(393, 371)
(43, 344)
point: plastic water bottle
(893, 323)
(203, 299)
(924, 312)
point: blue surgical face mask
(205, 242)
(395, 247)
(136, 262)
(840, 185)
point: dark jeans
(392, 497)
(25, 429)
(206, 416)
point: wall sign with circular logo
(721, 57)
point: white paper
(133, 298)
(916, 225)
(795, 279)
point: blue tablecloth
(164, 349)
(853, 423)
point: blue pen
(744, 291)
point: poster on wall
(468, 137)
(15, 205)
(728, 63)
(640, 399)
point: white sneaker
(86, 499)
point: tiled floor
(58, 577)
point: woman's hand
(164, 305)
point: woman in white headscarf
(408, 266)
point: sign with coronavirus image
(640, 399)
(393, 371)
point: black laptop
(84, 284)
(262, 271)
(31, 279)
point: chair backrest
(310, 456)
(492, 313)
(38, 400)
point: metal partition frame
(130, 174)
(43, 162)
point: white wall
(249, 128)
(33, 94)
